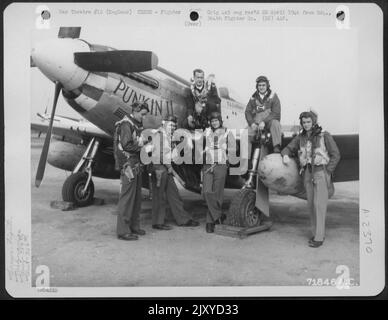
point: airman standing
(215, 170)
(164, 189)
(318, 156)
(127, 145)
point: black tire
(242, 211)
(71, 190)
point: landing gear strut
(78, 187)
(250, 183)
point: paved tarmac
(81, 249)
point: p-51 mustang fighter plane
(101, 83)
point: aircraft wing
(70, 128)
(348, 167)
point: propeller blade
(43, 155)
(119, 61)
(69, 32)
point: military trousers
(316, 185)
(129, 206)
(213, 189)
(165, 193)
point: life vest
(216, 145)
(318, 156)
(261, 103)
(120, 154)
(199, 96)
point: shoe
(190, 223)
(161, 227)
(315, 244)
(210, 227)
(128, 237)
(276, 149)
(139, 232)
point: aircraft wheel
(72, 190)
(242, 211)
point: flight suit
(318, 157)
(214, 172)
(267, 110)
(164, 189)
(127, 156)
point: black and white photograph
(190, 149)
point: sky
(307, 67)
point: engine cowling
(65, 155)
